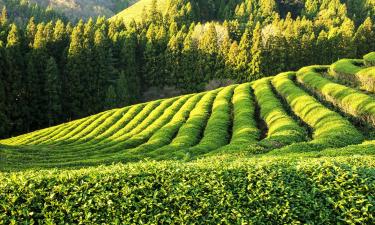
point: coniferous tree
(130, 82)
(104, 65)
(4, 121)
(244, 56)
(193, 78)
(52, 90)
(4, 17)
(31, 31)
(72, 84)
(14, 85)
(150, 69)
(365, 38)
(256, 53)
(208, 46)
(124, 90)
(110, 99)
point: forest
(53, 70)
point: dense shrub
(345, 71)
(282, 128)
(212, 191)
(370, 59)
(366, 78)
(329, 128)
(349, 100)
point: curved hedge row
(369, 59)
(329, 128)
(367, 79)
(217, 132)
(352, 72)
(245, 129)
(349, 100)
(345, 70)
(192, 131)
(282, 129)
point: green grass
(135, 10)
(288, 149)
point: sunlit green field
(135, 11)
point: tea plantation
(293, 148)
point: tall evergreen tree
(257, 54)
(104, 66)
(208, 45)
(110, 99)
(14, 85)
(365, 38)
(4, 17)
(72, 97)
(4, 121)
(244, 56)
(52, 90)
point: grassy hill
(297, 147)
(86, 8)
(135, 10)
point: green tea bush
(367, 79)
(100, 154)
(245, 129)
(191, 132)
(151, 111)
(217, 132)
(282, 129)
(57, 132)
(121, 124)
(329, 128)
(370, 59)
(349, 100)
(345, 71)
(65, 134)
(167, 133)
(218, 190)
(71, 138)
(97, 128)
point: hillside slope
(135, 10)
(316, 108)
(295, 148)
(86, 8)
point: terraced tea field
(292, 148)
(315, 108)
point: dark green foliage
(213, 191)
(53, 92)
(19, 11)
(111, 98)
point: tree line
(57, 71)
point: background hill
(86, 8)
(75, 9)
(135, 11)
